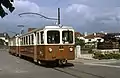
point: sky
(82, 15)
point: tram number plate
(61, 49)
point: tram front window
(67, 37)
(53, 37)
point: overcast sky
(83, 15)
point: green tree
(7, 4)
(79, 42)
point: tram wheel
(37, 63)
(62, 62)
(16, 54)
(20, 56)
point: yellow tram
(45, 45)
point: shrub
(98, 56)
(106, 56)
(90, 51)
(116, 56)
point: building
(111, 41)
(79, 35)
(95, 37)
(88, 38)
(5, 37)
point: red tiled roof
(91, 36)
(78, 34)
(30, 29)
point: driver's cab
(55, 35)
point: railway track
(73, 71)
(66, 72)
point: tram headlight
(71, 49)
(50, 49)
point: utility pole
(58, 16)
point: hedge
(106, 56)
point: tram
(14, 44)
(45, 45)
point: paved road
(98, 68)
(115, 64)
(14, 67)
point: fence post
(77, 52)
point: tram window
(38, 38)
(21, 41)
(26, 39)
(53, 37)
(29, 39)
(14, 42)
(67, 37)
(42, 37)
(32, 39)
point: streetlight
(22, 30)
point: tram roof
(49, 27)
(66, 27)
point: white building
(93, 38)
(88, 38)
(5, 37)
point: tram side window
(32, 39)
(14, 42)
(67, 37)
(24, 40)
(21, 41)
(53, 37)
(38, 38)
(42, 37)
(29, 39)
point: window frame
(68, 32)
(42, 37)
(55, 37)
(32, 39)
(38, 37)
